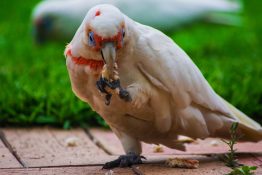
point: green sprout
(243, 170)
(230, 159)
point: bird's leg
(113, 83)
(132, 148)
(123, 93)
(127, 160)
(101, 84)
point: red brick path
(52, 151)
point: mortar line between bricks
(97, 143)
(12, 151)
(255, 157)
(54, 166)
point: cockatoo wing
(177, 73)
(196, 104)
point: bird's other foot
(101, 85)
(124, 161)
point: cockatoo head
(104, 24)
(101, 34)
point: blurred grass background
(35, 88)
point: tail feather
(250, 129)
(250, 134)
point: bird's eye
(123, 33)
(91, 39)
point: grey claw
(125, 161)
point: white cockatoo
(169, 95)
(59, 19)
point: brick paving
(53, 151)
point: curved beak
(108, 53)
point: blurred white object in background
(59, 19)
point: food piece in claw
(111, 80)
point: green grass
(35, 88)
